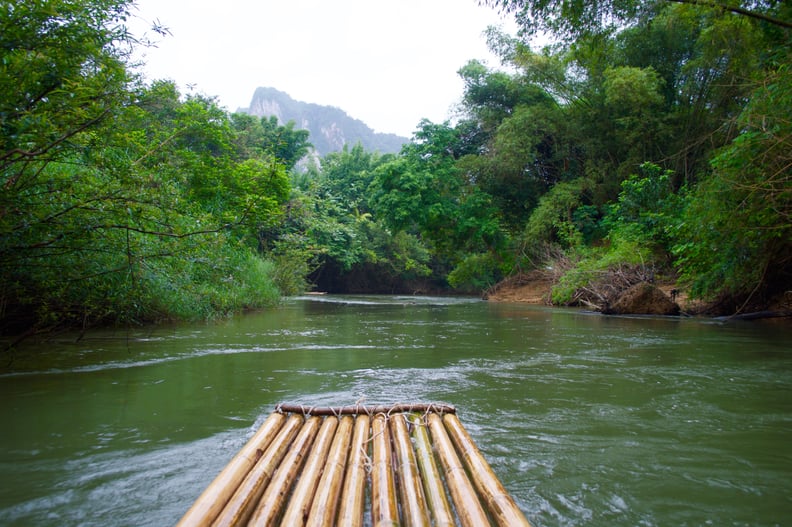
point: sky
(389, 63)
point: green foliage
(264, 137)
(645, 209)
(633, 99)
(635, 226)
(419, 191)
(118, 203)
(428, 192)
(348, 174)
(588, 152)
(524, 159)
(734, 237)
(587, 220)
(646, 129)
(491, 96)
(553, 219)
(196, 287)
(593, 266)
(330, 223)
(62, 71)
(518, 123)
(477, 272)
(573, 19)
(293, 258)
(395, 255)
(658, 86)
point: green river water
(586, 419)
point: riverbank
(536, 288)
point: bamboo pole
(272, 501)
(350, 511)
(325, 502)
(467, 504)
(240, 506)
(413, 502)
(209, 504)
(357, 409)
(300, 502)
(384, 511)
(500, 503)
(435, 493)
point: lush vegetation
(121, 202)
(666, 145)
(650, 140)
(653, 136)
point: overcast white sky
(388, 63)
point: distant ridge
(330, 127)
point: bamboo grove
(647, 135)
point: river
(586, 419)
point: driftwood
(756, 315)
(642, 298)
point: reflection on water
(586, 419)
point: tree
(62, 72)
(491, 96)
(677, 84)
(116, 200)
(347, 175)
(427, 192)
(571, 19)
(733, 243)
(264, 136)
(330, 226)
(416, 192)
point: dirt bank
(533, 288)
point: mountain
(330, 127)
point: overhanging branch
(739, 11)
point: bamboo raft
(407, 464)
